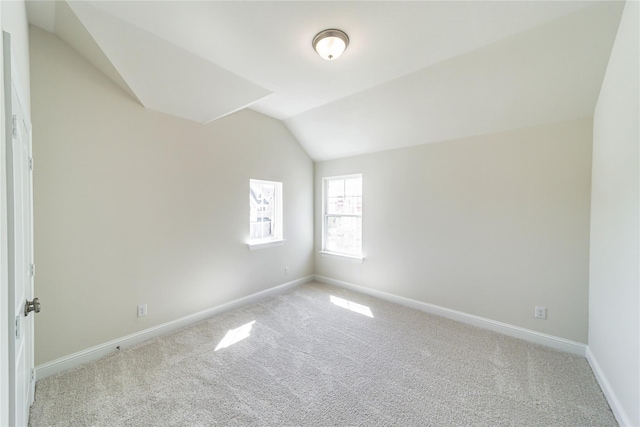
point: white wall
(614, 291)
(134, 206)
(490, 225)
(13, 20)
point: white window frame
(350, 256)
(277, 238)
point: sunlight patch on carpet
(350, 305)
(235, 335)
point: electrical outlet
(142, 310)
(358, 272)
(541, 312)
(286, 271)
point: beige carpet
(300, 359)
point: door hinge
(18, 323)
(14, 124)
(32, 270)
(33, 374)
(31, 163)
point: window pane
(353, 205)
(335, 196)
(343, 200)
(353, 195)
(353, 186)
(344, 196)
(262, 210)
(344, 235)
(335, 205)
(335, 188)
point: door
(20, 252)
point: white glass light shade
(330, 44)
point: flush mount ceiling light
(330, 44)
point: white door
(20, 256)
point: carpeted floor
(300, 359)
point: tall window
(342, 215)
(265, 211)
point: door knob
(30, 306)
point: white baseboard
(557, 343)
(618, 411)
(93, 353)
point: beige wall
(489, 225)
(134, 206)
(614, 291)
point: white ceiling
(414, 72)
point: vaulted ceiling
(414, 72)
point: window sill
(263, 245)
(353, 258)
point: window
(342, 215)
(265, 213)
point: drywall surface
(14, 22)
(490, 225)
(134, 206)
(614, 290)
